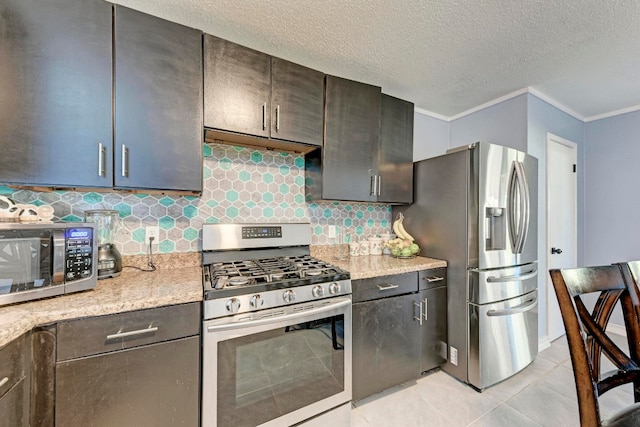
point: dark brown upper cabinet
(251, 98)
(368, 147)
(158, 103)
(57, 95)
(395, 151)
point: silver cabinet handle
(125, 161)
(387, 287)
(379, 184)
(264, 116)
(425, 314)
(131, 333)
(102, 170)
(277, 118)
(4, 381)
(433, 279)
(373, 185)
(419, 318)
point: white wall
(503, 124)
(430, 137)
(611, 205)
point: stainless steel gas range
(277, 329)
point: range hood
(230, 138)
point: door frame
(554, 139)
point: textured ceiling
(445, 56)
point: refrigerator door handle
(518, 224)
(524, 276)
(526, 306)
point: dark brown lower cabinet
(14, 405)
(399, 329)
(386, 344)
(138, 368)
(154, 385)
(14, 383)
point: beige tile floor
(543, 394)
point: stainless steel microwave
(41, 260)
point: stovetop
(253, 267)
(232, 278)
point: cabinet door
(55, 92)
(395, 152)
(14, 406)
(434, 328)
(14, 383)
(386, 344)
(349, 157)
(237, 87)
(155, 385)
(297, 102)
(158, 103)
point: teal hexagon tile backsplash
(240, 185)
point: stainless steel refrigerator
(476, 207)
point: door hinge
(574, 168)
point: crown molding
(558, 105)
(431, 114)
(612, 113)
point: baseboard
(543, 343)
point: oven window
(269, 374)
(24, 264)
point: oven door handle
(343, 302)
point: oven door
(277, 367)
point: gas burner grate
(266, 270)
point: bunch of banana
(403, 245)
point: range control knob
(334, 288)
(256, 301)
(317, 291)
(233, 305)
(289, 296)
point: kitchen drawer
(95, 335)
(432, 278)
(384, 286)
(12, 363)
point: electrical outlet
(453, 356)
(152, 232)
(332, 231)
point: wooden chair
(587, 338)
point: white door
(562, 220)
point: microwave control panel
(78, 253)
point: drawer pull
(387, 287)
(4, 381)
(434, 279)
(131, 333)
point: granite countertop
(132, 290)
(364, 267)
(178, 282)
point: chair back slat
(587, 336)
